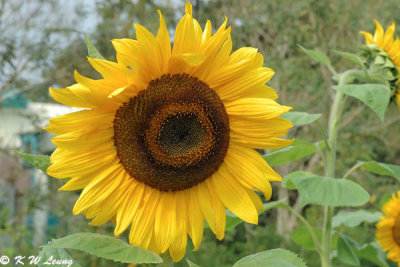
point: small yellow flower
(166, 139)
(388, 229)
(391, 48)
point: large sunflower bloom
(388, 229)
(166, 138)
(386, 42)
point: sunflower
(388, 229)
(389, 48)
(166, 139)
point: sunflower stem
(167, 260)
(330, 164)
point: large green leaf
(297, 150)
(373, 253)
(301, 236)
(297, 175)
(47, 255)
(300, 118)
(105, 247)
(42, 162)
(355, 218)
(350, 56)
(317, 56)
(382, 169)
(232, 220)
(375, 96)
(274, 257)
(345, 251)
(328, 191)
(92, 50)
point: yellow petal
(165, 227)
(196, 219)
(234, 196)
(73, 164)
(260, 134)
(178, 246)
(378, 36)
(143, 222)
(111, 71)
(164, 42)
(188, 34)
(83, 139)
(212, 209)
(80, 120)
(150, 49)
(76, 183)
(250, 169)
(257, 109)
(99, 188)
(238, 87)
(184, 63)
(128, 207)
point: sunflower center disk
(174, 134)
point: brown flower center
(174, 134)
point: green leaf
(301, 236)
(297, 150)
(317, 56)
(105, 247)
(297, 175)
(382, 169)
(274, 257)
(192, 264)
(300, 118)
(373, 253)
(42, 162)
(375, 96)
(355, 218)
(328, 191)
(92, 50)
(350, 56)
(47, 255)
(345, 251)
(232, 220)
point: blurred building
(21, 129)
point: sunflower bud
(380, 66)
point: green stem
(330, 164)
(355, 167)
(308, 226)
(167, 260)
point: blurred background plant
(42, 43)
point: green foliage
(297, 150)
(354, 218)
(372, 253)
(345, 251)
(328, 191)
(275, 257)
(317, 56)
(375, 96)
(48, 253)
(41, 162)
(380, 168)
(92, 50)
(300, 118)
(191, 264)
(105, 247)
(351, 57)
(302, 237)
